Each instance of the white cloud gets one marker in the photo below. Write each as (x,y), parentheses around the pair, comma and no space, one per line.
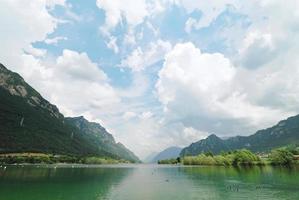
(52,3)
(133,11)
(129,115)
(78,66)
(152,28)
(186,65)
(190,134)
(191,23)
(25,22)
(35,52)
(265,40)
(54,40)
(200,89)
(146,115)
(139,59)
(77,84)
(257,50)
(129,38)
(130,13)
(210,10)
(112,44)
(269,49)
(137,88)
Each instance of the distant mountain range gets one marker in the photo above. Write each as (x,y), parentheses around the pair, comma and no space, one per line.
(284,133)
(29,123)
(150,157)
(171,152)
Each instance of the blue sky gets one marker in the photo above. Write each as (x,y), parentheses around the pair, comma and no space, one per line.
(159,73)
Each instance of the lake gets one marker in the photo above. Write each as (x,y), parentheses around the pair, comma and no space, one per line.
(146,182)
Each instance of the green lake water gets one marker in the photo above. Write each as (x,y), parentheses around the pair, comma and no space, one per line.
(147,182)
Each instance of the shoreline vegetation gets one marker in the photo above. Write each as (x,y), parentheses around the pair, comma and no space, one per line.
(42,158)
(282,156)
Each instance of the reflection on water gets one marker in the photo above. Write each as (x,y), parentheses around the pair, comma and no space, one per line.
(147,182)
(40,183)
(245,183)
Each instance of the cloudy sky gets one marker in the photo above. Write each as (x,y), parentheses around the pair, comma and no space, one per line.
(158,73)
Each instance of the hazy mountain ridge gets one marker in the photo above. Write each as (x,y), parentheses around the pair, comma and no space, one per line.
(170,152)
(284,133)
(29,123)
(150,157)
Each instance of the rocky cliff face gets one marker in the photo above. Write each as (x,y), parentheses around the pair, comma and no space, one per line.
(15,85)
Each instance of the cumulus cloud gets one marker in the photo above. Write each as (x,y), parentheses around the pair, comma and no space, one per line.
(78,66)
(78,85)
(187,66)
(258,49)
(201,89)
(269,47)
(25,23)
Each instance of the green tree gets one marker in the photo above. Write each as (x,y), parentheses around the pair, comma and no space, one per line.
(244,157)
(209,153)
(281,157)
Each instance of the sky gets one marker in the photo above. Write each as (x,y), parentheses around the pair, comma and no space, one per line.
(159,73)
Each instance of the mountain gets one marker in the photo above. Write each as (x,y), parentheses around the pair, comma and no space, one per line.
(150,157)
(171,152)
(101,138)
(212,143)
(29,123)
(284,133)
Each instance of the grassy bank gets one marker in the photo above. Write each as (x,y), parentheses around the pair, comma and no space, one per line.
(39,158)
(282,156)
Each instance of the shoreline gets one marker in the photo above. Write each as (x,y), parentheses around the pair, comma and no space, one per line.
(28,158)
